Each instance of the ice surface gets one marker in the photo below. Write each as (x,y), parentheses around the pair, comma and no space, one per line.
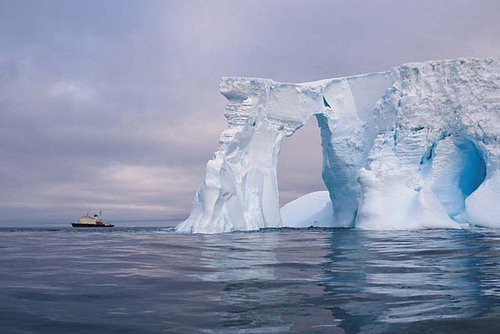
(413,147)
(482,206)
(314,209)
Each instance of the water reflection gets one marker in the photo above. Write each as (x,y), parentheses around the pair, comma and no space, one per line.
(234,257)
(271,288)
(281,281)
(376,281)
(347,281)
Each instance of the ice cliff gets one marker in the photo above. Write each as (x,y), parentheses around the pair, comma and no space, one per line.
(414,147)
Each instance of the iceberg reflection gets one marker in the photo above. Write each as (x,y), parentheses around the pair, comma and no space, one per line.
(377,280)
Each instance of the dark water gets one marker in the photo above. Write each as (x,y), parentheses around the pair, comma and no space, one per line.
(150,280)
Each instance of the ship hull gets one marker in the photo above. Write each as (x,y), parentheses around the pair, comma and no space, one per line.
(91,225)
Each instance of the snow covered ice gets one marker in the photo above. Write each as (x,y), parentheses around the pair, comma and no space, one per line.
(414,147)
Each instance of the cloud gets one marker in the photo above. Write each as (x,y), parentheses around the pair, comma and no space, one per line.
(73,92)
(114,105)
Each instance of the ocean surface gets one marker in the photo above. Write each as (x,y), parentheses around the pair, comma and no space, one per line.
(151,280)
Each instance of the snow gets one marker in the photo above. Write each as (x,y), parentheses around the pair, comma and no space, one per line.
(413,147)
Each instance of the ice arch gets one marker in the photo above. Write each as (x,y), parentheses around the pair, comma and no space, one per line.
(379,132)
(240,190)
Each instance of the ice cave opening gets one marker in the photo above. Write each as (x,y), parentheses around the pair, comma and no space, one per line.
(473,169)
(455,168)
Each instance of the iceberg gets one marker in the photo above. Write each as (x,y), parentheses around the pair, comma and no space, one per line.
(413,147)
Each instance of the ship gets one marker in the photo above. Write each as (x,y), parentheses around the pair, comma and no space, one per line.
(89,221)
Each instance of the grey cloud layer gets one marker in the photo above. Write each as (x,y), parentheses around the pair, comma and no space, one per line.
(114,105)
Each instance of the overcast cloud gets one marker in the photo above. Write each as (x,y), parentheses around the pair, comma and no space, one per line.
(114,105)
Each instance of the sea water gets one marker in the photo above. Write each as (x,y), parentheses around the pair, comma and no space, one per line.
(152,280)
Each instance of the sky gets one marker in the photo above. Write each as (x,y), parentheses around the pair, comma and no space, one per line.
(115,105)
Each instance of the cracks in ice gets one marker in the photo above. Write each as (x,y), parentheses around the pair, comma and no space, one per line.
(326,104)
(428,155)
